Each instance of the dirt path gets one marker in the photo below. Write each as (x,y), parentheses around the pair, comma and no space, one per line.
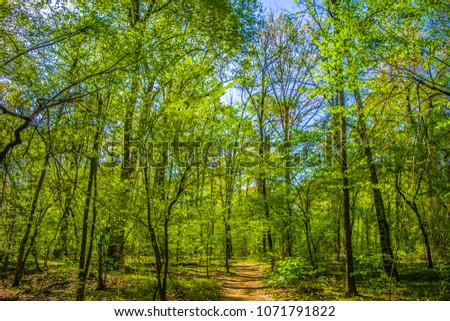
(245,285)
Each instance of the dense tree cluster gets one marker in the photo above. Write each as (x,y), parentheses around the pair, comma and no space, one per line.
(210,129)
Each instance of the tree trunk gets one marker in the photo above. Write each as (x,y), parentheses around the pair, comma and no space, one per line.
(163,293)
(21,257)
(152,232)
(412,204)
(309,241)
(350,286)
(338,233)
(83,264)
(228,199)
(117,238)
(101,266)
(262,183)
(383,226)
(228,244)
(267,214)
(287,178)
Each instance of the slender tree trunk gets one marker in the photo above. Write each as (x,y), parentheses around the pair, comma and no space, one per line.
(166,256)
(288,179)
(262,188)
(152,232)
(93,225)
(117,238)
(101,265)
(267,214)
(83,264)
(262,182)
(338,233)
(228,199)
(168,214)
(228,244)
(383,226)
(412,204)
(21,257)
(309,241)
(63,225)
(31,247)
(350,286)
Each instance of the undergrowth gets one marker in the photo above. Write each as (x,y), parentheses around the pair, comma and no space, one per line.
(296,279)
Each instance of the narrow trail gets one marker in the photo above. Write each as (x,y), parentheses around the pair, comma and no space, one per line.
(245,285)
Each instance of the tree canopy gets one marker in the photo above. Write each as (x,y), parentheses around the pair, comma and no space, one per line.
(152,135)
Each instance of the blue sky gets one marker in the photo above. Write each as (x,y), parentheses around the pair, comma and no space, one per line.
(279,4)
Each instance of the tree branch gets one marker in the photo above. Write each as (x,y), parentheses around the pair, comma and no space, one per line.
(14,114)
(421,81)
(47,43)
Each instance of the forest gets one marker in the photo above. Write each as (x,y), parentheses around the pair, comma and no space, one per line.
(217,150)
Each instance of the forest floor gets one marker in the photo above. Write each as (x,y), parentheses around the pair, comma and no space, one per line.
(244,285)
(326,282)
(248,280)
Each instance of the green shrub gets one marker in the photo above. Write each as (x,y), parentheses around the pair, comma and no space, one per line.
(291,270)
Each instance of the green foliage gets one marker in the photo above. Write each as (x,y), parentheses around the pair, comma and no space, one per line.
(370,265)
(191,288)
(211,130)
(291,271)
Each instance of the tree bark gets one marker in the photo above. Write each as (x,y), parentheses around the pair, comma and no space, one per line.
(21,257)
(350,285)
(117,237)
(412,204)
(383,226)
(152,232)
(101,266)
(83,264)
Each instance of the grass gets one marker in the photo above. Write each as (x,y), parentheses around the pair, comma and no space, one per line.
(327,282)
(137,282)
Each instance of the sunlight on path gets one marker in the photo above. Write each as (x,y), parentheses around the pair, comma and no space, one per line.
(245,285)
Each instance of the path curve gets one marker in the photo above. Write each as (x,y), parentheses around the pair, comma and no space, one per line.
(245,285)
